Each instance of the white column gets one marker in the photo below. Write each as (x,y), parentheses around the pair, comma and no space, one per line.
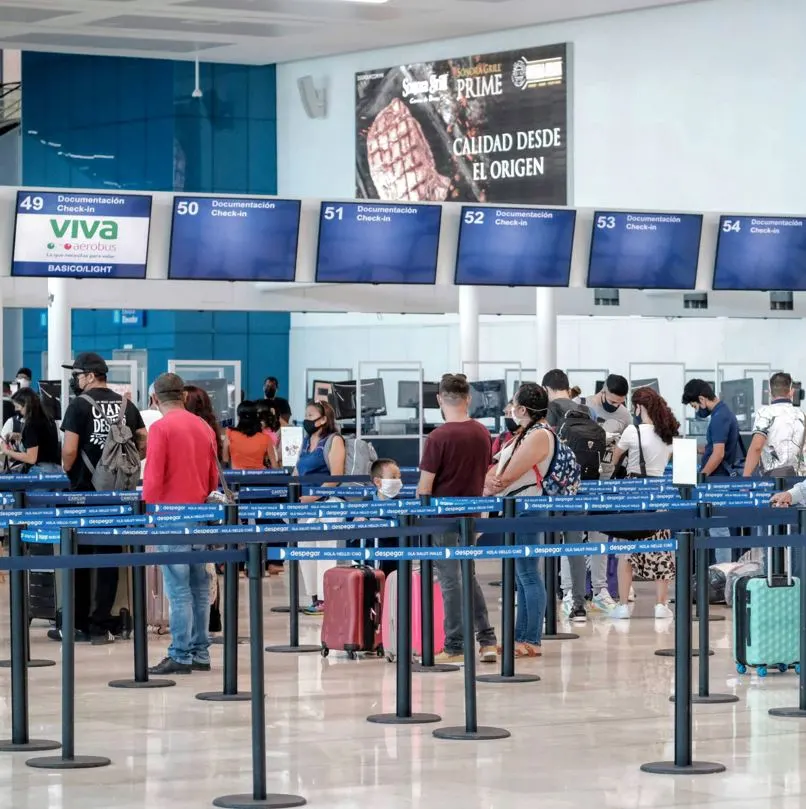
(546,331)
(59,328)
(469,331)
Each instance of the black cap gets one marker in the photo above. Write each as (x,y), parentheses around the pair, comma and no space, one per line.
(89,363)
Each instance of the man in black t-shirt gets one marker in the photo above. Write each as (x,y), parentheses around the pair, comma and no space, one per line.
(85,429)
(274,402)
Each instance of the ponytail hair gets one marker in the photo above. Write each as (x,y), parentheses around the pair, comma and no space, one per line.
(535,400)
(666,425)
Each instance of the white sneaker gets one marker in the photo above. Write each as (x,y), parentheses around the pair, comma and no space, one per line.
(604,601)
(631,597)
(620,611)
(568,603)
(663,611)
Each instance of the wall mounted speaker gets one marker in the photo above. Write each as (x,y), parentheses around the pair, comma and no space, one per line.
(314,99)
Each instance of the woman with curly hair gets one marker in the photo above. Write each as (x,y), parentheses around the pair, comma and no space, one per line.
(197,401)
(647,443)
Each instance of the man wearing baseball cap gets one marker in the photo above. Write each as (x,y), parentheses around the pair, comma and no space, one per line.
(86,426)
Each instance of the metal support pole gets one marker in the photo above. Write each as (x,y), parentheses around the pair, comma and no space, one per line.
(68,760)
(683,720)
(507,674)
(20,740)
(140,626)
(800,711)
(403,712)
(259,799)
(551,632)
(426,664)
(293,646)
(229,692)
(471,730)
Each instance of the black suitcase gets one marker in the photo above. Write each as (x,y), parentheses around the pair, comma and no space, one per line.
(42,601)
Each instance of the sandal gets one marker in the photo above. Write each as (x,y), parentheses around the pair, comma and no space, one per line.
(527,650)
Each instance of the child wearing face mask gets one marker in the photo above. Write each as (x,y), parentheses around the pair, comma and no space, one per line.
(388,482)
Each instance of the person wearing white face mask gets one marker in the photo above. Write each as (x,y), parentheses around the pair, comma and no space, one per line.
(24,378)
(386,478)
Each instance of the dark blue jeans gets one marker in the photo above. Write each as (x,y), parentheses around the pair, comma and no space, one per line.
(531,589)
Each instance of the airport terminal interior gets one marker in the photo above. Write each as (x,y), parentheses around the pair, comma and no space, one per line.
(389,219)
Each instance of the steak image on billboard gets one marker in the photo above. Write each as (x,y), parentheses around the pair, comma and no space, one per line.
(488,128)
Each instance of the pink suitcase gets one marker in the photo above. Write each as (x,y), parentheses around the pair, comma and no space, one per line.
(157,613)
(389,620)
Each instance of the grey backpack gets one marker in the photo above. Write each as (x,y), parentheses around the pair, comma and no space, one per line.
(359,454)
(119,466)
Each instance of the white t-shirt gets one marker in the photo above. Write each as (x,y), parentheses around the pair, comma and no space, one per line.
(782,424)
(150,416)
(656,453)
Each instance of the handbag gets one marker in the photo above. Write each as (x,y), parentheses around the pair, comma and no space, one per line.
(634,535)
(225,497)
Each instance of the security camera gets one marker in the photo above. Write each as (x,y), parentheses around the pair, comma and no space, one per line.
(197,93)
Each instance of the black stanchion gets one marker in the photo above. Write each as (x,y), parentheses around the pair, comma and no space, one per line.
(800,711)
(702,562)
(426,664)
(703,695)
(140,621)
(259,799)
(68,760)
(471,729)
(229,692)
(403,714)
(293,646)
(508,674)
(683,720)
(18,611)
(551,632)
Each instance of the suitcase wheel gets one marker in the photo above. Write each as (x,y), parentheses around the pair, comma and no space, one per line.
(761,671)
(797,669)
(379,651)
(325,651)
(741,668)
(390,656)
(783,668)
(352,655)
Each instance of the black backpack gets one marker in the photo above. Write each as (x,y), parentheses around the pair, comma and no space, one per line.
(586,439)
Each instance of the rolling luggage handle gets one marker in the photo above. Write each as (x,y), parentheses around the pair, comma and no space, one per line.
(800,711)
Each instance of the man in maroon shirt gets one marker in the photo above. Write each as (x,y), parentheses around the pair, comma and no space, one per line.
(454,464)
(182,468)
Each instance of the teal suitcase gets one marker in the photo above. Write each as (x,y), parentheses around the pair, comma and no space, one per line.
(766,622)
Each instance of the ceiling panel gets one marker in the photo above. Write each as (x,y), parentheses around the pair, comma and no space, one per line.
(141,22)
(80,42)
(27,14)
(258,31)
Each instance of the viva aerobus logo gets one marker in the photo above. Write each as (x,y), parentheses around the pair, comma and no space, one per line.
(105,230)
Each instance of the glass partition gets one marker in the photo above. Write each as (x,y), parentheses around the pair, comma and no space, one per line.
(671,379)
(586,379)
(220,378)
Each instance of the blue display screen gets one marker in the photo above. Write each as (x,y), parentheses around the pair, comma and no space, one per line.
(644,250)
(81,235)
(378,243)
(761,252)
(517,247)
(234,239)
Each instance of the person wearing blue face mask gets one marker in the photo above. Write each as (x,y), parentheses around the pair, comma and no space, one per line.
(723,453)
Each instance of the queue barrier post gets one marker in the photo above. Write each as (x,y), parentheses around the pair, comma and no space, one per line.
(703,562)
(427,664)
(683,763)
(140,627)
(32,663)
(68,760)
(18,609)
(800,711)
(687,493)
(293,646)
(551,571)
(703,695)
(403,714)
(508,674)
(260,798)
(231,603)
(229,692)
(471,730)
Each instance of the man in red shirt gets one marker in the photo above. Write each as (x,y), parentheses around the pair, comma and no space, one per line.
(182,468)
(454,464)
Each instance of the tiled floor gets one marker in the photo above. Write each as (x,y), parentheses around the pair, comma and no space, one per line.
(578,736)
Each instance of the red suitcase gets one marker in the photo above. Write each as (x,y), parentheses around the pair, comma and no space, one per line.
(353,608)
